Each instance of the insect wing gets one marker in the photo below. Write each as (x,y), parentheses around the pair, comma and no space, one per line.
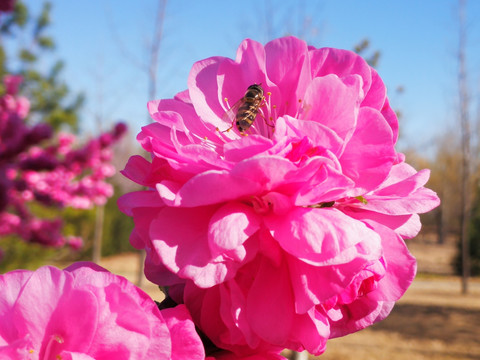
(230,115)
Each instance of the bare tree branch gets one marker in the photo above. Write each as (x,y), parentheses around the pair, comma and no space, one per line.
(126,53)
(465,137)
(155,49)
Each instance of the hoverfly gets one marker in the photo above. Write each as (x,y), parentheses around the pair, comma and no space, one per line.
(244,111)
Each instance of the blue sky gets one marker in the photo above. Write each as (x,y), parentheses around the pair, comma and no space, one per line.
(105,42)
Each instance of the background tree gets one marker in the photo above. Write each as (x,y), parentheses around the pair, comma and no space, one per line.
(32,104)
(24,41)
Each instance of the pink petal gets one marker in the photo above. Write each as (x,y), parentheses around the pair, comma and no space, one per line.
(369,154)
(246,147)
(143,207)
(266,171)
(231,226)
(212,187)
(272,320)
(158,273)
(192,260)
(187,120)
(407,226)
(67,317)
(333,103)
(401,266)
(326,185)
(276,322)
(359,315)
(136,169)
(204,96)
(68,355)
(391,118)
(406,186)
(420,201)
(139,199)
(318,134)
(186,343)
(32,311)
(376,97)
(340,62)
(319,283)
(234,77)
(11,289)
(323,236)
(287,66)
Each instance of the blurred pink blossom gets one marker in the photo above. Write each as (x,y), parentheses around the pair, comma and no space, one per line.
(59,173)
(293,234)
(7,5)
(75,242)
(86,312)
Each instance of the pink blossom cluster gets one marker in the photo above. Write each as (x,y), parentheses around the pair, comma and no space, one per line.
(7,5)
(85,312)
(53,174)
(282,225)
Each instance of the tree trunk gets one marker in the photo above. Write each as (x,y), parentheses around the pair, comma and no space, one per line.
(98,235)
(465,133)
(440,226)
(300,355)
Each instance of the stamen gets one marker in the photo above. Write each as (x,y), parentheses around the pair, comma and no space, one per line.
(226,102)
(361,199)
(205,142)
(260,206)
(58,339)
(54,340)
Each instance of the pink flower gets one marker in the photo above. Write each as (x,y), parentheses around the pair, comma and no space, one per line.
(12,82)
(84,312)
(290,235)
(75,242)
(7,5)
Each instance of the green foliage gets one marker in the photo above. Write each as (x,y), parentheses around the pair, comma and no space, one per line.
(50,98)
(18,18)
(117,228)
(46,42)
(362,49)
(27,56)
(18,254)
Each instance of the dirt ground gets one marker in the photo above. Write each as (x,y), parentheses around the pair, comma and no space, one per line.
(432,321)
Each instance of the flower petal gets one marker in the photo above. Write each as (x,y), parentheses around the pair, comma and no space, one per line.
(320,236)
(186,343)
(333,103)
(369,154)
(230,227)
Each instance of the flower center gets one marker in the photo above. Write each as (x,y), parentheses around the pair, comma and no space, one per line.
(272,202)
